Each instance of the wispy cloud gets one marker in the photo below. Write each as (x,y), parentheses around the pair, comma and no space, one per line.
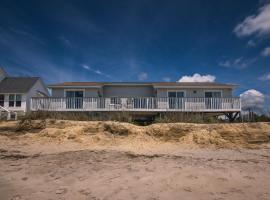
(197,78)
(251,43)
(258,25)
(238,63)
(65,41)
(266,52)
(96,71)
(166,79)
(265,77)
(142,76)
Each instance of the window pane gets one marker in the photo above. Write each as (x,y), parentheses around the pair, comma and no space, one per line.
(180,94)
(2,97)
(18,97)
(2,103)
(171,94)
(208,95)
(217,94)
(11,104)
(79,94)
(11,97)
(70,94)
(18,103)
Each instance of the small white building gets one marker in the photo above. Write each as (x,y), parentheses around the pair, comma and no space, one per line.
(16,92)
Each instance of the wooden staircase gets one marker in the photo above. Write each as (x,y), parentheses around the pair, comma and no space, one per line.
(6,114)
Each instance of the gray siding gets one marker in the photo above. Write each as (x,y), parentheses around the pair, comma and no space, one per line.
(135,91)
(193,92)
(88,92)
(58,92)
(128,91)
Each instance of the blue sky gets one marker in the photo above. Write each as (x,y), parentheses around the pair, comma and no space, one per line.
(140,40)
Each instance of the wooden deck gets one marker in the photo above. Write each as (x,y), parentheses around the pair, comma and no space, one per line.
(137,104)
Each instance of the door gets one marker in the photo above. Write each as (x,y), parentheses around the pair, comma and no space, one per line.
(175,99)
(74,99)
(212,100)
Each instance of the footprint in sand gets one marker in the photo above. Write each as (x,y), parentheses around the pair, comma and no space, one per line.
(16,197)
(249,177)
(61,191)
(187,189)
(222,179)
(192,176)
(85,192)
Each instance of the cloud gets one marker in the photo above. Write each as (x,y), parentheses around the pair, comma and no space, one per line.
(238,63)
(252,99)
(266,52)
(166,79)
(96,71)
(65,41)
(251,43)
(255,24)
(142,76)
(197,78)
(265,77)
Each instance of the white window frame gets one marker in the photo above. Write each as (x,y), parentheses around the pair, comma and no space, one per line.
(214,91)
(176,93)
(15,99)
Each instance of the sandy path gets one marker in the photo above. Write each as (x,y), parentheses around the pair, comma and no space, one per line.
(93,174)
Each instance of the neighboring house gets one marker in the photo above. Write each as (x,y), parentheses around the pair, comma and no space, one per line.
(137,96)
(16,92)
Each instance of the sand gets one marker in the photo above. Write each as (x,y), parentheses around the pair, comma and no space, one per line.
(111,160)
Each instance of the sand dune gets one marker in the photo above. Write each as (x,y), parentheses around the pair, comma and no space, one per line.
(56,159)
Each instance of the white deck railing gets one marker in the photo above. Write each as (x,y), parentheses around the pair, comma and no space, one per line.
(137,104)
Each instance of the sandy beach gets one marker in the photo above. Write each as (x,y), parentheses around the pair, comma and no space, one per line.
(41,162)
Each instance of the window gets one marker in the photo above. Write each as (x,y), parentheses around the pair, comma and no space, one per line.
(11,100)
(175,101)
(213,94)
(176,94)
(74,99)
(2,100)
(18,100)
(15,100)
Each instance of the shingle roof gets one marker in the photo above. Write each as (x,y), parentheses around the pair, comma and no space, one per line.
(17,84)
(154,84)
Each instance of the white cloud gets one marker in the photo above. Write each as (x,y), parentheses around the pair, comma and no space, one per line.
(265,77)
(266,52)
(255,24)
(252,99)
(166,79)
(142,76)
(86,67)
(197,78)
(96,71)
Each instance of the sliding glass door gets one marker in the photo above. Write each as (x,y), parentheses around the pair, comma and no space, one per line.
(212,99)
(175,99)
(74,99)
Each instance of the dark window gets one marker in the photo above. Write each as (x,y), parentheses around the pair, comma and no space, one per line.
(74,99)
(15,100)
(2,100)
(18,100)
(11,100)
(175,99)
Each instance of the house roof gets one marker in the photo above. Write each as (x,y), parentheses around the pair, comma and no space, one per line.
(17,84)
(154,84)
